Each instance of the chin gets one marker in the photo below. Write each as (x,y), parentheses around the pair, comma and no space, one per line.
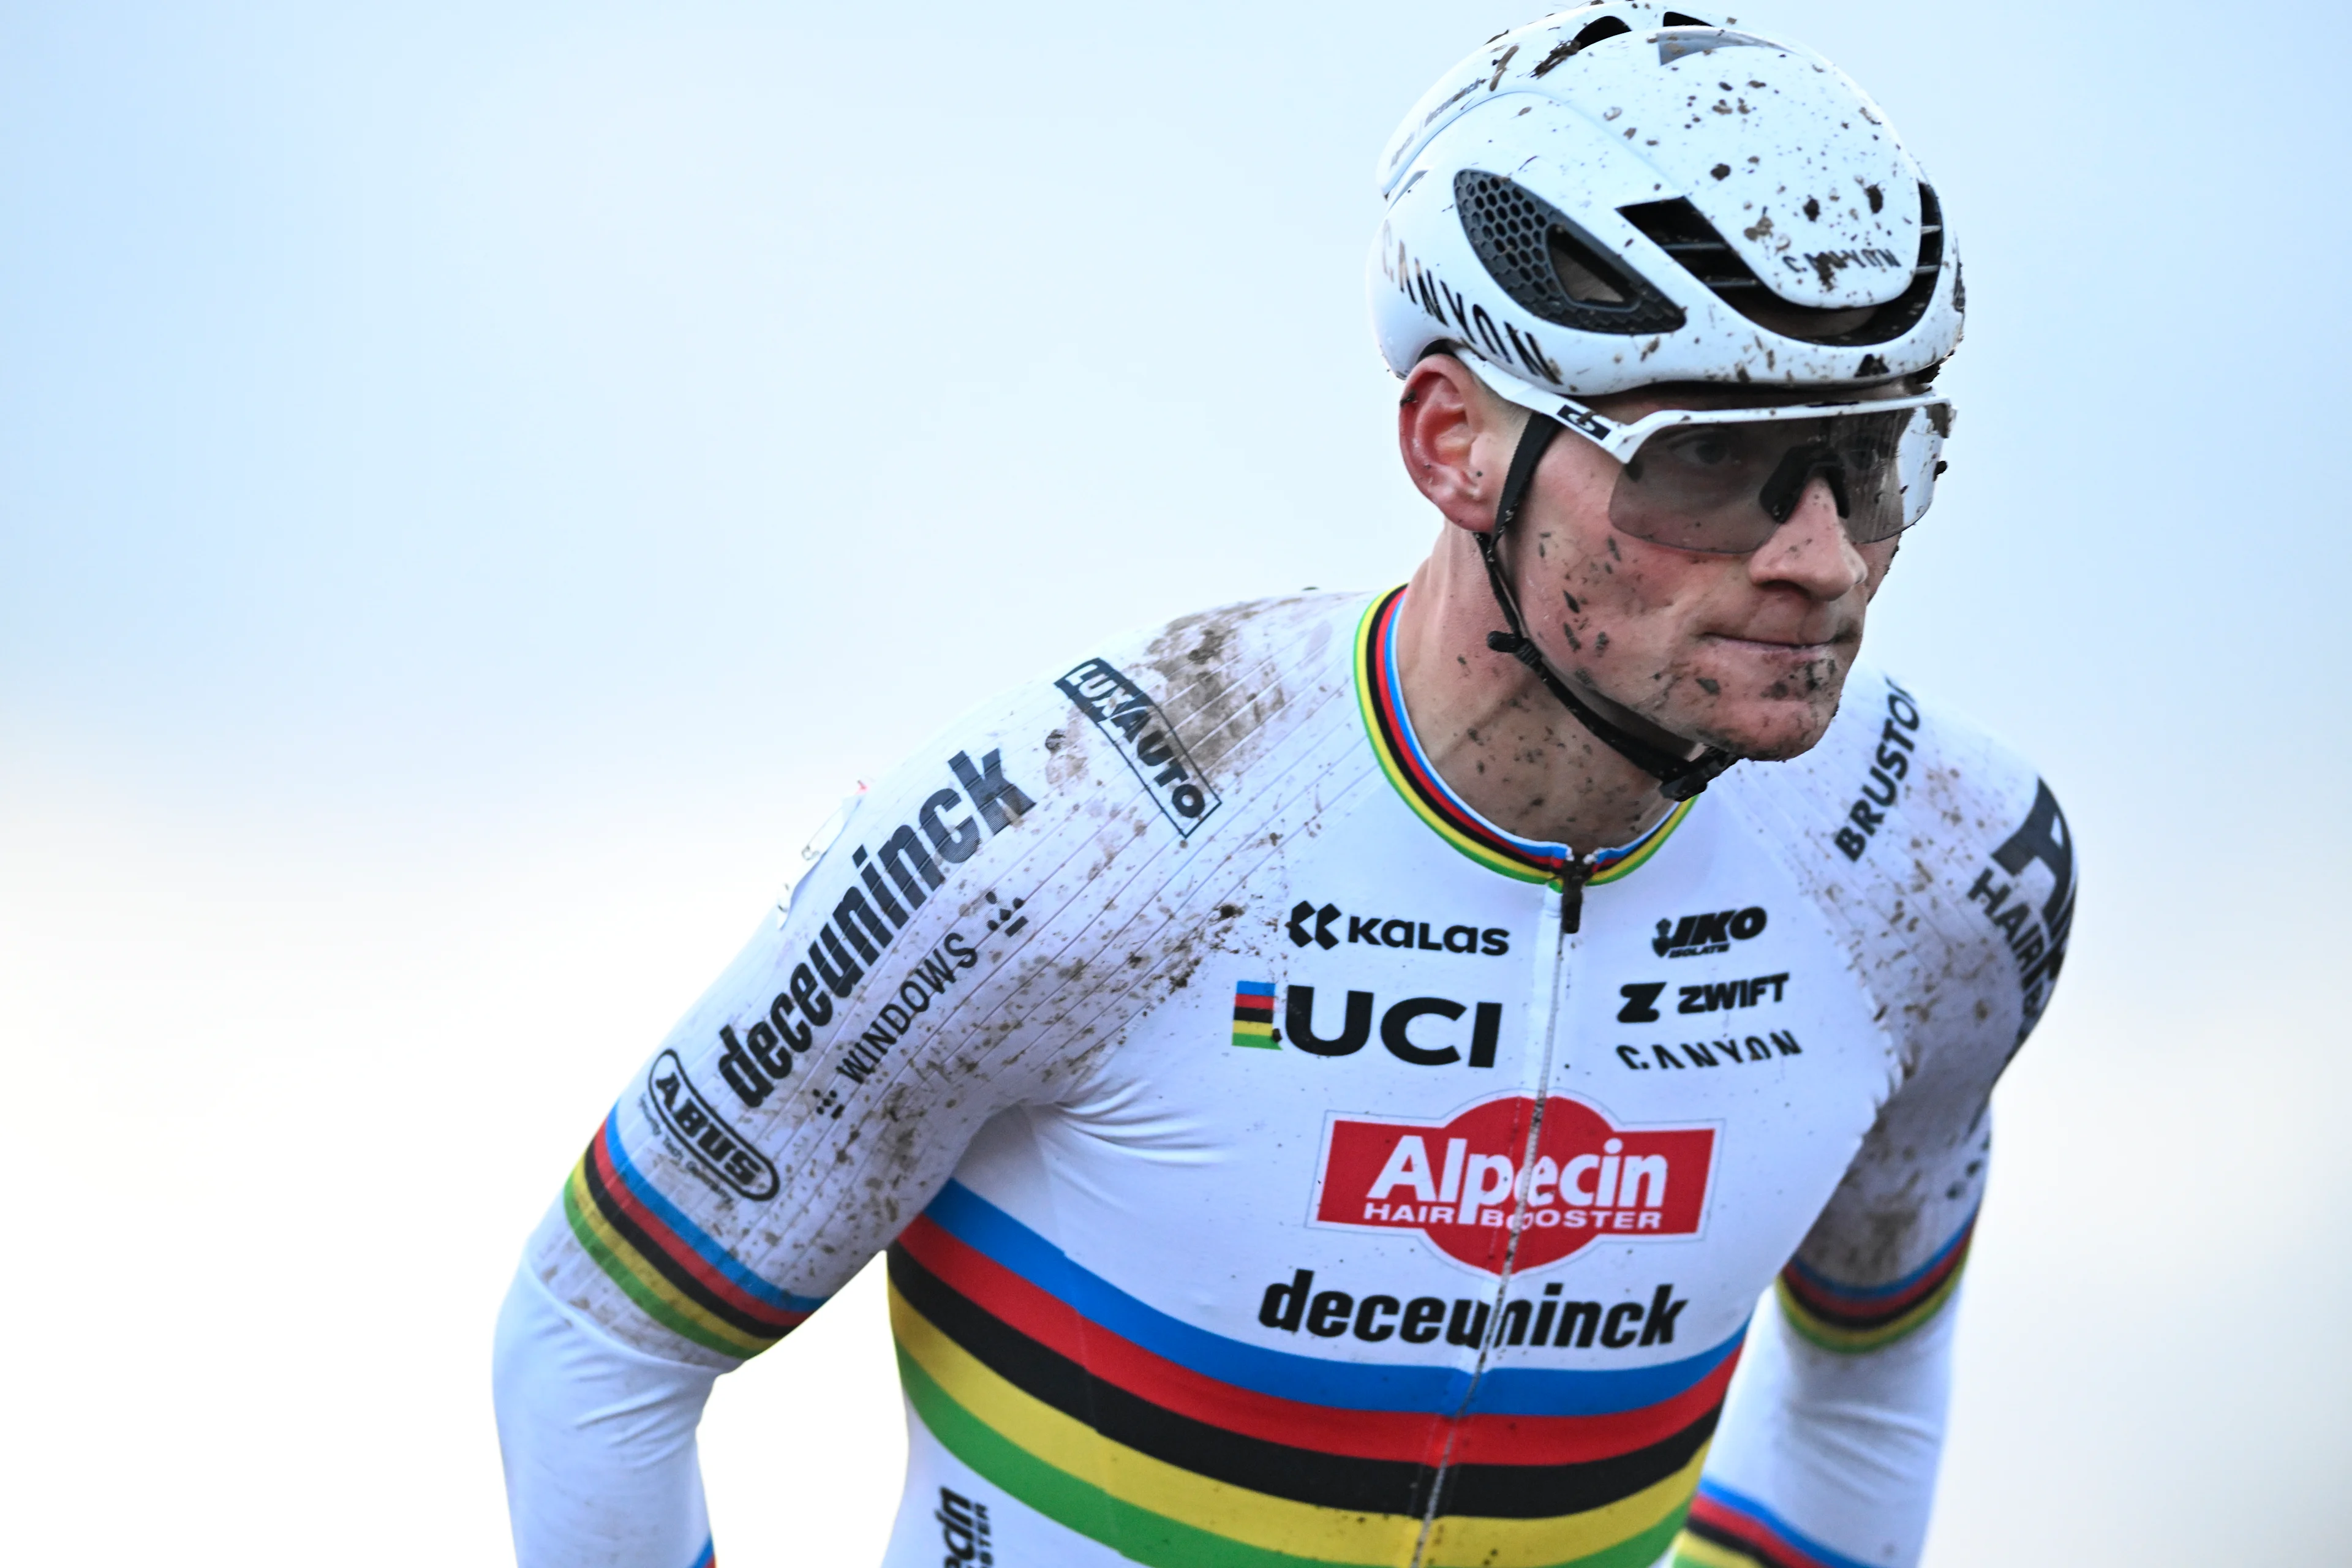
(1771,730)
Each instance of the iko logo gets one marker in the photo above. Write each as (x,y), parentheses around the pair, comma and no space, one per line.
(1694,935)
(964,1526)
(1462,1184)
(717,1147)
(1310,925)
(1146,739)
(1253,1025)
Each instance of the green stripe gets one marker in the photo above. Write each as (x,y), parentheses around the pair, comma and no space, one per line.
(647,1301)
(1138,1533)
(1147,1537)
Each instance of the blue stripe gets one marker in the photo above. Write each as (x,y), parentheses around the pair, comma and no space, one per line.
(693,1235)
(707,1556)
(1438,1390)
(1253,988)
(1878,1292)
(1796,1538)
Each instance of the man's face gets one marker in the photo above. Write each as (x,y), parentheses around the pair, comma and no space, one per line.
(1747,652)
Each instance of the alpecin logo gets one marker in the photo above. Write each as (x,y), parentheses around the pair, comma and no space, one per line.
(698,1128)
(1146,739)
(964,1526)
(1460,1184)
(1694,935)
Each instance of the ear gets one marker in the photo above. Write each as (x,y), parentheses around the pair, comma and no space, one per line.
(1456,439)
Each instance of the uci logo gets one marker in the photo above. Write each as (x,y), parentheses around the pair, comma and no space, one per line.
(1432,1045)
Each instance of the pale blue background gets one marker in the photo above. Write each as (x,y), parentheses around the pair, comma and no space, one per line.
(477,483)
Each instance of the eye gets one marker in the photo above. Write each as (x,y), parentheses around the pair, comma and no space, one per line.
(1700,449)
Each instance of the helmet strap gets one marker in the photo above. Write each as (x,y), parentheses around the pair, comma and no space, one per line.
(1679,778)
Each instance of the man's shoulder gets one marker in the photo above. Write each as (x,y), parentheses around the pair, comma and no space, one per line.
(1224,683)
(1162,725)
(1940,846)
(1899,775)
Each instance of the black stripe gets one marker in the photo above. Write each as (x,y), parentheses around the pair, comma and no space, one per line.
(1762,1556)
(669,1269)
(1301,1475)
(1862,1319)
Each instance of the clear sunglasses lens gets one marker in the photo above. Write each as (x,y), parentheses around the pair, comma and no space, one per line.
(1713,487)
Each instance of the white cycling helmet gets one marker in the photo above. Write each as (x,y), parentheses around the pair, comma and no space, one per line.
(1622,196)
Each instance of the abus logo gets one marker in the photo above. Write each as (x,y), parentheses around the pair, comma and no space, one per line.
(1146,739)
(715,1145)
(1697,934)
(1461,1184)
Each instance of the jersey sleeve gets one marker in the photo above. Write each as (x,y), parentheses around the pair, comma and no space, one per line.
(799,1115)
(1953,870)
(977,936)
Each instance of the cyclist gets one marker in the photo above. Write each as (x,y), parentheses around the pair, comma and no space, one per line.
(1334,1075)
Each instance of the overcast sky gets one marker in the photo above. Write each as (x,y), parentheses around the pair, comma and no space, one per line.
(476,483)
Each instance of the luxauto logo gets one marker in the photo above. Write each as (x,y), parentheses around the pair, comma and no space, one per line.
(1462,1184)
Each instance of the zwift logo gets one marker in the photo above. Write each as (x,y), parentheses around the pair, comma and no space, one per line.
(1462,1183)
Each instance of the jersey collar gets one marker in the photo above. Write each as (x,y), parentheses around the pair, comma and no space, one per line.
(1379,696)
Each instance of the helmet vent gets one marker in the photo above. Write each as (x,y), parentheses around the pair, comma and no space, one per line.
(1549,266)
(1681,231)
(1607,27)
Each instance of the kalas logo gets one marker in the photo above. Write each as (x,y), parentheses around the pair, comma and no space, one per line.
(1462,1185)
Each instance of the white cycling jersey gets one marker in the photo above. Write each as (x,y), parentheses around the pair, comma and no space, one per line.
(1269,1176)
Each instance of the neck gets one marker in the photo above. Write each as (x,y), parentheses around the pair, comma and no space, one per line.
(1498,739)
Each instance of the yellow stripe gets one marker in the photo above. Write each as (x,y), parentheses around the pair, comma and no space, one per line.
(729,1338)
(1460,1541)
(1263,1031)
(1831,1337)
(1690,1549)
(1397,777)
(1271,1523)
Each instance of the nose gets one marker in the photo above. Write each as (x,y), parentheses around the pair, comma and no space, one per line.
(1811,551)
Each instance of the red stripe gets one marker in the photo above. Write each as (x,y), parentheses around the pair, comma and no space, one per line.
(1778,1550)
(1829,1302)
(1412,1436)
(676,1248)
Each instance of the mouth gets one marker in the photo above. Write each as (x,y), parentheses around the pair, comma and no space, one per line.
(1781,648)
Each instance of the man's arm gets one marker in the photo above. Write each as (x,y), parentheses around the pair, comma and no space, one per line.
(808,1107)
(1828,1448)
(598,1441)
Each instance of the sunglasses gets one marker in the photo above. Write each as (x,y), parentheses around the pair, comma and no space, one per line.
(1719,481)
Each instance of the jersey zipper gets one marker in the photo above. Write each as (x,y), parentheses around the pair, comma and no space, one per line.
(1562,909)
